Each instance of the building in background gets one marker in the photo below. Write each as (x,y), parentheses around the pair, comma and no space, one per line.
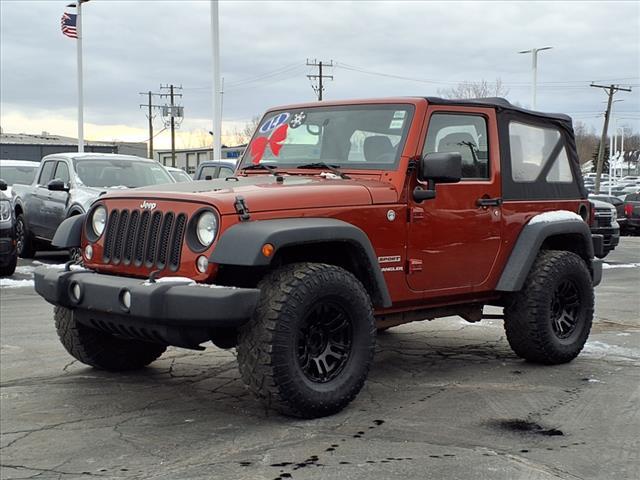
(188,159)
(24,146)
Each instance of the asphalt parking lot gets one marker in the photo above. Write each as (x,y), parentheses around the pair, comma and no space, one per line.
(445,399)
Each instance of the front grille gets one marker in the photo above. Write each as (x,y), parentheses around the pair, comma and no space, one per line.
(143,238)
(603,218)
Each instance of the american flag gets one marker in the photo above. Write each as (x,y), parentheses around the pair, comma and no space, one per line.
(68,25)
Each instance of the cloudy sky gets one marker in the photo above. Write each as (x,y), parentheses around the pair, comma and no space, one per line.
(378,48)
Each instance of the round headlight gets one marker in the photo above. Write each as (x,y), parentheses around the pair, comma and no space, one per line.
(98,221)
(206,228)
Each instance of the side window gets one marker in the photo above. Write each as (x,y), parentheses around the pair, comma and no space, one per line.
(46,174)
(208,172)
(465,134)
(532,148)
(225,172)
(62,172)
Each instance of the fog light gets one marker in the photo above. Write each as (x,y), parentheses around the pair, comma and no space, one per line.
(88,252)
(125,298)
(202,263)
(76,292)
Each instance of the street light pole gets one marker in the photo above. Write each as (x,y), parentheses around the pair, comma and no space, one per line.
(534,69)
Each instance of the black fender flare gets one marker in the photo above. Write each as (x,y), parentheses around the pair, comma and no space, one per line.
(69,232)
(242,243)
(527,247)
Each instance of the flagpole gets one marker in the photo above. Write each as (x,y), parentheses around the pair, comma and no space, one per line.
(80,87)
(217,95)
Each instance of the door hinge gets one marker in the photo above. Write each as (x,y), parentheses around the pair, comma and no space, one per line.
(415,265)
(416,213)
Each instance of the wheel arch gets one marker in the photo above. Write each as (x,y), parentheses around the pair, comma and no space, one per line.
(322,240)
(569,235)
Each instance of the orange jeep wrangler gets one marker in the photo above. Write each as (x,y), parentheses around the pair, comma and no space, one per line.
(342,218)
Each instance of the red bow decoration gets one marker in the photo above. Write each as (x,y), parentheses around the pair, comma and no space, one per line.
(259,145)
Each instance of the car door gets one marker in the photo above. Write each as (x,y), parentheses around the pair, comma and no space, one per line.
(37,206)
(57,202)
(454,238)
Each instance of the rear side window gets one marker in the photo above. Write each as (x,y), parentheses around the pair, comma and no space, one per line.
(465,134)
(46,175)
(633,197)
(532,149)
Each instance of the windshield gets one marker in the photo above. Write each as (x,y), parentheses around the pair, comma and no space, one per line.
(352,137)
(104,173)
(22,174)
(180,176)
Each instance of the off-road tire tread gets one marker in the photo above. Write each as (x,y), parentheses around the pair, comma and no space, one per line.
(101,349)
(257,367)
(526,324)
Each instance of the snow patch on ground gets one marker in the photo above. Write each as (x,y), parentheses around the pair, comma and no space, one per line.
(555,216)
(179,280)
(601,349)
(606,266)
(11,283)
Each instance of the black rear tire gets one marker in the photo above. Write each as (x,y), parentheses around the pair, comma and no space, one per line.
(308,348)
(25,244)
(100,349)
(549,320)
(10,268)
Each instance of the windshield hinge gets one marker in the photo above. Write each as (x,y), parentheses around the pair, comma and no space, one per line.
(241,209)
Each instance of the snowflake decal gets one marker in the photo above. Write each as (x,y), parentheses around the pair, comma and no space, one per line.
(297,120)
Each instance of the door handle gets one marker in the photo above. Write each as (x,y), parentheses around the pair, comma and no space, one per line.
(485,202)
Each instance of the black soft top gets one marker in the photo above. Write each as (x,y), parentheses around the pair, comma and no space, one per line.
(498,103)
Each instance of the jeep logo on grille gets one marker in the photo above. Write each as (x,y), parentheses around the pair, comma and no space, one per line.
(148,205)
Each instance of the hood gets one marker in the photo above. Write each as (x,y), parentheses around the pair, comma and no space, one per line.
(264,192)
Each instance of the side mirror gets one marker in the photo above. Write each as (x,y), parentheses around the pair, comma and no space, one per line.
(437,168)
(3,185)
(57,185)
(208,177)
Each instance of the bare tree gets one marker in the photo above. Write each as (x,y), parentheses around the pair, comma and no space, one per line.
(480,89)
(586,141)
(199,138)
(244,134)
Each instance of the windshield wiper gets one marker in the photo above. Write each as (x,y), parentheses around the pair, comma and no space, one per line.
(261,166)
(332,168)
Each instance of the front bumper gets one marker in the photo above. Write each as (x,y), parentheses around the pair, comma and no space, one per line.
(177,312)
(611,236)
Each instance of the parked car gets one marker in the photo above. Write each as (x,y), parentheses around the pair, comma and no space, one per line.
(370,223)
(8,254)
(179,175)
(17,171)
(604,222)
(215,169)
(618,204)
(66,184)
(632,212)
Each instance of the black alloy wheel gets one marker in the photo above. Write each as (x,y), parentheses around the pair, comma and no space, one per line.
(565,308)
(324,342)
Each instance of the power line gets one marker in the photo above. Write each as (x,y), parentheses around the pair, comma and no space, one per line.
(319,88)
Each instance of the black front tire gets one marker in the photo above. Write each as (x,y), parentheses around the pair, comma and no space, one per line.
(549,320)
(100,349)
(308,348)
(25,244)
(10,268)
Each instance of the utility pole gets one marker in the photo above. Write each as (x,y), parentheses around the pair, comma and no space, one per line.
(610,90)
(173,112)
(150,116)
(320,76)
